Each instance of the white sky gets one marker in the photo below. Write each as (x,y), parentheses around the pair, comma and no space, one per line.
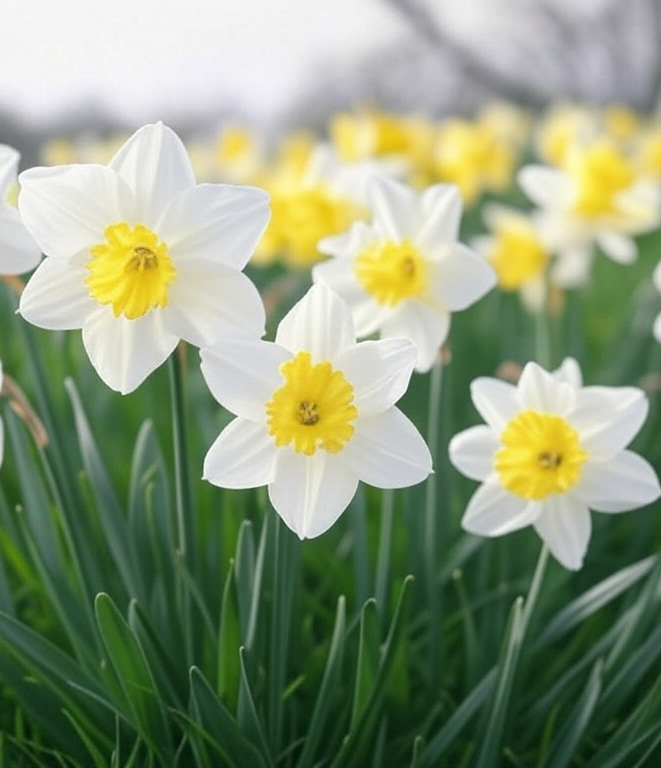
(143,60)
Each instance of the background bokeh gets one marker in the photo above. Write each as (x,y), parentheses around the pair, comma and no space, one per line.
(82,65)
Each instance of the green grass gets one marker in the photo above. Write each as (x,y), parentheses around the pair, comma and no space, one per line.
(393,640)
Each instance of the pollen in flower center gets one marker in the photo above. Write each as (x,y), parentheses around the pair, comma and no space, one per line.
(131,271)
(392,272)
(540,455)
(314,409)
(601,174)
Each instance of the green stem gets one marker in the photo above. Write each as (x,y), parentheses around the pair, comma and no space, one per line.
(431,543)
(543,350)
(183,500)
(533,591)
(383,557)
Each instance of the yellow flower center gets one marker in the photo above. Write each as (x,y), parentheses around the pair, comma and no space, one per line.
(300,218)
(540,455)
(601,173)
(131,271)
(517,257)
(314,409)
(392,272)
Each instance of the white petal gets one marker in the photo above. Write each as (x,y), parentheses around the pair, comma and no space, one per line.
(441,211)
(541,391)
(569,372)
(571,269)
(492,511)
(656,277)
(216,222)
(319,323)
(462,277)
(620,248)
(387,451)
(624,482)
(608,418)
(656,328)
(564,525)
(496,401)
(68,208)
(242,456)
(9,158)
(155,165)
(311,492)
(379,372)
(56,296)
(396,209)
(243,374)
(18,251)
(533,294)
(472,451)
(424,326)
(124,352)
(545,186)
(210,302)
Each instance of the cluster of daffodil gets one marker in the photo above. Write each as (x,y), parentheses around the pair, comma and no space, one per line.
(140,257)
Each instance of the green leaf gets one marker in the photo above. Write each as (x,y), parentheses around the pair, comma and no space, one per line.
(328,690)
(360,736)
(209,711)
(229,641)
(490,741)
(111,514)
(367,667)
(247,716)
(128,659)
(566,743)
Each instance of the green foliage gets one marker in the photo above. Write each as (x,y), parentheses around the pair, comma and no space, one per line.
(394,640)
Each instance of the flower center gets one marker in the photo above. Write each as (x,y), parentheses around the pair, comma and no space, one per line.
(314,409)
(517,257)
(540,455)
(300,218)
(601,173)
(392,272)
(131,271)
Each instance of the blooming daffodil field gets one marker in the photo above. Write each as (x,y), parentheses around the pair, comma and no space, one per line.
(354,461)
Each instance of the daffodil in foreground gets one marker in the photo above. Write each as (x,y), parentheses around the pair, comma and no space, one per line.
(405,272)
(315,414)
(139,256)
(550,451)
(18,251)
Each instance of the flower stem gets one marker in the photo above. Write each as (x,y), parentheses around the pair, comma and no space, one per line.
(383,557)
(183,501)
(430,543)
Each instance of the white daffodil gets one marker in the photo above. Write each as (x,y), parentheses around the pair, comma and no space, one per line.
(596,197)
(18,251)
(550,451)
(516,250)
(404,273)
(139,256)
(315,414)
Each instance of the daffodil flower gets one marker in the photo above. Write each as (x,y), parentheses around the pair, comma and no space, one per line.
(18,251)
(315,414)
(139,256)
(550,451)
(515,249)
(597,196)
(405,272)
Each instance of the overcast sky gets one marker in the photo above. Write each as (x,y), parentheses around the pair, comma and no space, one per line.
(147,59)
